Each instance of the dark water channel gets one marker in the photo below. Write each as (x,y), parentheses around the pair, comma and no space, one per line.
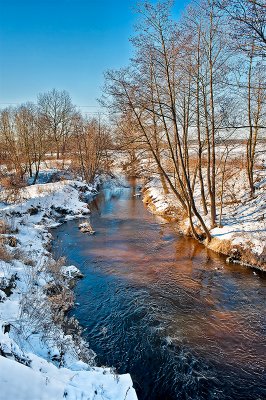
(181,321)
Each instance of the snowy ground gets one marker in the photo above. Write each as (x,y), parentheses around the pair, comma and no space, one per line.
(39,359)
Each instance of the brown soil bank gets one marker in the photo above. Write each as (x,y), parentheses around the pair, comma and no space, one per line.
(235,252)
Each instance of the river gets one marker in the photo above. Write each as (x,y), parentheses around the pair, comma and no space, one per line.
(177,317)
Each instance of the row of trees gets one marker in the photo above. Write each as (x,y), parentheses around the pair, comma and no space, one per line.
(30,133)
(190,87)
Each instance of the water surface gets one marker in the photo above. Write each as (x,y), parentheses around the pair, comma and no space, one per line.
(162,307)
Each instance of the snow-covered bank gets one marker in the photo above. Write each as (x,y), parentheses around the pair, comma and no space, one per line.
(242,236)
(42,355)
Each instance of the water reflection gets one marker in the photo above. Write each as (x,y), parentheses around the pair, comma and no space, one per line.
(184,323)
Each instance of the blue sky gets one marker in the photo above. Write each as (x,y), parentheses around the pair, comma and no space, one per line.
(62,44)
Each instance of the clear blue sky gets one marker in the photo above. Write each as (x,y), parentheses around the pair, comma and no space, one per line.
(63,44)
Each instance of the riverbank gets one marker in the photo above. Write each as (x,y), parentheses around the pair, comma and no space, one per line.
(42,354)
(242,236)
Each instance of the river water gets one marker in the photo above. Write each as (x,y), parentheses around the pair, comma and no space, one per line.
(177,317)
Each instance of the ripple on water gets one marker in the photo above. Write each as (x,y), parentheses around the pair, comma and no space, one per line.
(185,324)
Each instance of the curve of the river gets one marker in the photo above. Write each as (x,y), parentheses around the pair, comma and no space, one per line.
(176,316)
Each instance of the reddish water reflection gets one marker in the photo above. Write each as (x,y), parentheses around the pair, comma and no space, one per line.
(183,322)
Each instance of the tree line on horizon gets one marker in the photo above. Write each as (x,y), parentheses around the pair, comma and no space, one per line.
(31,133)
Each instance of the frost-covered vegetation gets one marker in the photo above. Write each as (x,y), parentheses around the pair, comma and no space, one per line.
(42,354)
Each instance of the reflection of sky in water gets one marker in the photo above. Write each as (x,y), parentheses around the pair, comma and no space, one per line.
(169,308)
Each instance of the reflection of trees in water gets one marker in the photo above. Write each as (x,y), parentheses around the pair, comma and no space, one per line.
(168,306)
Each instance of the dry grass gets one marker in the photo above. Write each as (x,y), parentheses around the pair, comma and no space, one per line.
(54,267)
(4,227)
(11,181)
(46,189)
(61,300)
(4,254)
(220,246)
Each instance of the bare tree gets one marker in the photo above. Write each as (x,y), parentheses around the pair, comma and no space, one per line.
(32,138)
(90,143)
(13,154)
(57,110)
(151,89)
(256,96)
(249,21)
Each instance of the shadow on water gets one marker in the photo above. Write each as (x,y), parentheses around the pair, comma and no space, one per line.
(162,307)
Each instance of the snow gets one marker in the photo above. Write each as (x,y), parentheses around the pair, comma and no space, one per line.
(243,220)
(245,223)
(40,361)
(71,271)
(86,227)
(47,382)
